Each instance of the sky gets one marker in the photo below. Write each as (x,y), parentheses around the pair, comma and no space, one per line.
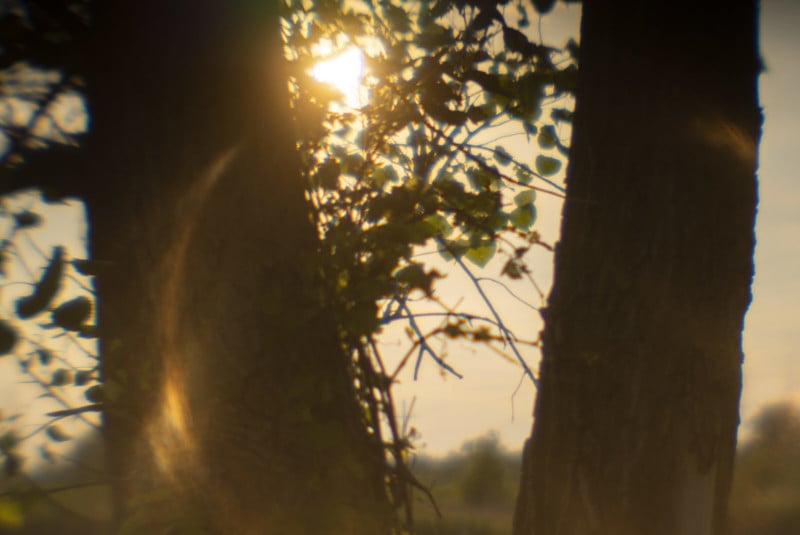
(493,395)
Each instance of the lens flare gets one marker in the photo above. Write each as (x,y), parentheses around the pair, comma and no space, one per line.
(344,72)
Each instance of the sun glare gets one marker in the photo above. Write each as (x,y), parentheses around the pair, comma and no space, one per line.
(344,72)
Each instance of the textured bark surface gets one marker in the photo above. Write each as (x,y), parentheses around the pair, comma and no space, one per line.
(231,408)
(636,416)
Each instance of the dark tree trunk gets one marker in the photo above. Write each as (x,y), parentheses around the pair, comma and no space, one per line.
(227,386)
(636,416)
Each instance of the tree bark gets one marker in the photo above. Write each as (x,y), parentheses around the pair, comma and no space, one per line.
(636,415)
(230,404)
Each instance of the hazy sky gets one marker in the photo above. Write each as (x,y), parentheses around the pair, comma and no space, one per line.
(448,411)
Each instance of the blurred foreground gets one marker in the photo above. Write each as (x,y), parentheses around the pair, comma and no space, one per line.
(475,489)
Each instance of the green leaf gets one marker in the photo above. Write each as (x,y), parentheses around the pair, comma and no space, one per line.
(502,156)
(513,269)
(414,276)
(61,377)
(547,166)
(56,434)
(8,338)
(45,289)
(525,197)
(524,177)
(382,175)
(523,217)
(547,137)
(73,314)
(438,224)
(479,114)
(481,254)
(481,178)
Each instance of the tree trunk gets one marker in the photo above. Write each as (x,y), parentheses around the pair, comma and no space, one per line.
(636,415)
(230,404)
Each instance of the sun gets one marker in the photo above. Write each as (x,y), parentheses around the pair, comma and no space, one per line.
(344,71)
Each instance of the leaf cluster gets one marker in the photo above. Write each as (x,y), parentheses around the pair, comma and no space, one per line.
(49,311)
(417,167)
(408,169)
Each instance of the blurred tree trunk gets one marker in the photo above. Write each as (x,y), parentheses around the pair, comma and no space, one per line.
(230,405)
(636,416)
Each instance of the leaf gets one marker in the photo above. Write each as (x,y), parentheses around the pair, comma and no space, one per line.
(523,217)
(45,289)
(95,394)
(562,114)
(481,254)
(8,338)
(479,114)
(72,314)
(493,83)
(525,197)
(414,276)
(27,219)
(56,434)
(438,224)
(530,128)
(481,178)
(433,36)
(61,377)
(516,41)
(547,166)
(502,156)
(82,377)
(88,267)
(547,137)
(543,6)
(45,356)
(513,269)
(524,177)
(382,175)
(398,19)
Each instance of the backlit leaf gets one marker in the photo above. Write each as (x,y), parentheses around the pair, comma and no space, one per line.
(482,254)
(8,338)
(56,434)
(525,197)
(73,314)
(547,166)
(523,217)
(61,377)
(547,137)
(45,289)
